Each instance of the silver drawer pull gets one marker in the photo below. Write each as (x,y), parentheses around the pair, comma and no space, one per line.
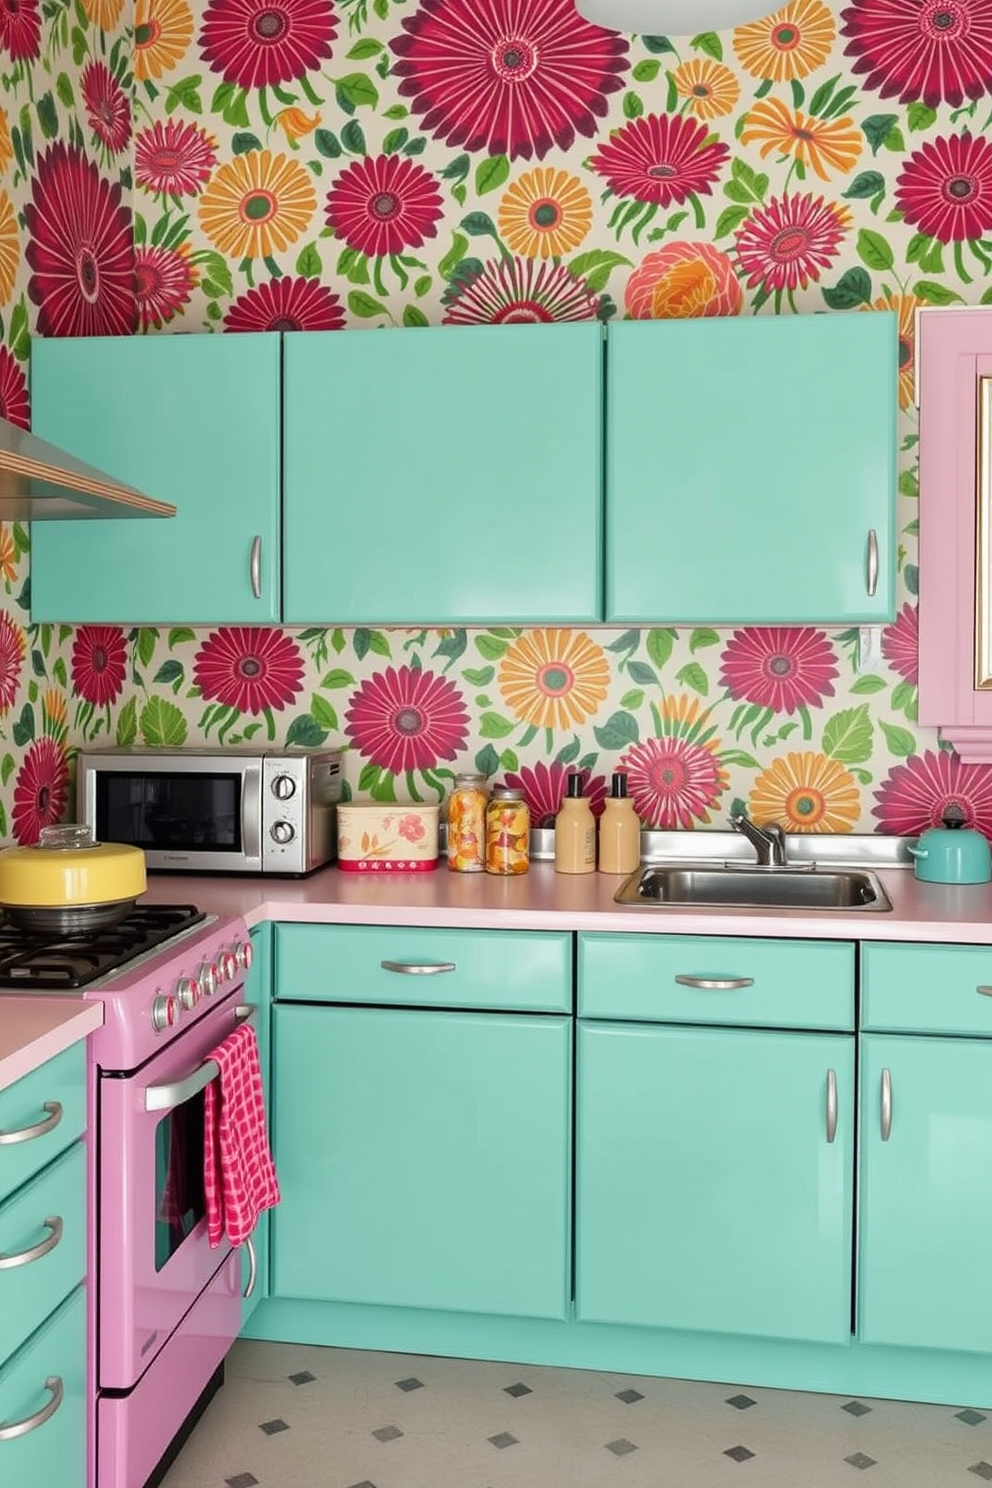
(871,577)
(255,567)
(984,991)
(715,984)
(418,968)
(31,1423)
(831,1105)
(28,1133)
(25,1257)
(886,1105)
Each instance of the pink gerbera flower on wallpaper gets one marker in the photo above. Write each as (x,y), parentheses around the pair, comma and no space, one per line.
(14,404)
(901,644)
(174,158)
(80,248)
(519,291)
(107,106)
(779,667)
(99,663)
(507,77)
(164,280)
(249,668)
(257,43)
(40,791)
(543,788)
(661,158)
(12,647)
(945,188)
(384,204)
(934,50)
(406,718)
(916,794)
(789,241)
(673,782)
(286,305)
(20,30)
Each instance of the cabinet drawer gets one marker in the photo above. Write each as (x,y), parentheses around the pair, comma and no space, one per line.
(53,1451)
(50,1209)
(501,969)
(30,1134)
(761,983)
(927,988)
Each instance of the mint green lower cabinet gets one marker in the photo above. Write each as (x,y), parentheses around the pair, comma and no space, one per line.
(45,1382)
(424,1158)
(710,1196)
(926,1192)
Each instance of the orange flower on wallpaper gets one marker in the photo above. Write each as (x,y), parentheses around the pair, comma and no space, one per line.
(790,43)
(545,213)
(295,124)
(682,281)
(10,248)
(103,13)
(6,148)
(8,556)
(905,307)
(806,792)
(55,715)
(710,88)
(257,204)
(822,144)
(163,29)
(554,679)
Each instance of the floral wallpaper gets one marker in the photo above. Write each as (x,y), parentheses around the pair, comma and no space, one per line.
(218,166)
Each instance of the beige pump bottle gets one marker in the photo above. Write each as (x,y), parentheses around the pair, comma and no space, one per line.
(619,830)
(575,831)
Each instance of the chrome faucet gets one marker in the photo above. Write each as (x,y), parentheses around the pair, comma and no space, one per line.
(768,842)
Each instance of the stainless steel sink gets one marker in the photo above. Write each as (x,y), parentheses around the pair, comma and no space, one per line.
(753,888)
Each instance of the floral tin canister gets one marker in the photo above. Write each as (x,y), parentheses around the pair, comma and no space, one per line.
(398,837)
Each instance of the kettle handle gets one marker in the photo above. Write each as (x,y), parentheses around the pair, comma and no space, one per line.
(918,852)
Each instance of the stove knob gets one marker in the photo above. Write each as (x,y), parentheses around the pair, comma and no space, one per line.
(282,832)
(284,787)
(209,976)
(243,954)
(188,993)
(228,966)
(164,1013)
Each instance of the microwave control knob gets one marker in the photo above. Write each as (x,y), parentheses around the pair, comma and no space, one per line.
(283,832)
(284,787)
(164,1013)
(208,977)
(188,993)
(244,953)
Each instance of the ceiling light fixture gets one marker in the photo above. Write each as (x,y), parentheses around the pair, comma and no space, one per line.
(671,17)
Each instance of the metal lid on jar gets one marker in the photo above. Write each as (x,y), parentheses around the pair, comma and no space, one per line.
(469,779)
(506,793)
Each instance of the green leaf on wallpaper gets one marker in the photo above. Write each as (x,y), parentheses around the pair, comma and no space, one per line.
(490,647)
(646,71)
(63,88)
(26,137)
(870,682)
(658,44)
(479,676)
(394,141)
(569,752)
(147,639)
(127,724)
(632,699)
(864,185)
(397,111)
(357,89)
(633,106)
(23,729)
(495,726)
(458,169)
(22,545)
(327,143)
(629,640)
(641,673)
(895,141)
(710,43)
(453,256)
(701,637)
(162,724)
(740,758)
(863,777)
(920,116)
(936,294)
(745,185)
(48,115)
(478,225)
(847,736)
(693,676)
(186,94)
(660,643)
(60,671)
(217,269)
(459,192)
(170,674)
(596,267)
(413,316)
(80,47)
(730,219)
(353,265)
(911,578)
(353,138)
(379,643)
(491,173)
(452,646)
(932,261)
(487,761)
(852,288)
(874,250)
(877,129)
(909,484)
(214,311)
(244,141)
(338,678)
(308,264)
(421,285)
(509,760)
(364,49)
(900,741)
(917,247)
(38,663)
(305,731)
(903,696)
(33,693)
(7,768)
(364,306)
(619,730)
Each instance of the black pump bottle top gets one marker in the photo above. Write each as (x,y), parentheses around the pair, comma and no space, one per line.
(618,785)
(573,787)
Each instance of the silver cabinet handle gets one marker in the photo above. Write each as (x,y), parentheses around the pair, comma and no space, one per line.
(177,1092)
(886,1105)
(252,1267)
(31,1423)
(412,968)
(715,984)
(871,576)
(28,1133)
(831,1105)
(985,992)
(25,1257)
(255,567)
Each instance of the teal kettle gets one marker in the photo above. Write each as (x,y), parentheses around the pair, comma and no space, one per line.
(953,853)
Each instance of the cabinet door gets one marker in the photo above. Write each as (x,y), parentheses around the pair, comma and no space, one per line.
(748,460)
(710,1196)
(926,1193)
(424,1158)
(189,419)
(452,474)
(255,1260)
(43,1387)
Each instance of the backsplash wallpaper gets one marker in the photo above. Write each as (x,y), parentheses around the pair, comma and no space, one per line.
(229,165)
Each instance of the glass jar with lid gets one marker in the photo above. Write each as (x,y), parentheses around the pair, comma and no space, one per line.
(467,824)
(507,832)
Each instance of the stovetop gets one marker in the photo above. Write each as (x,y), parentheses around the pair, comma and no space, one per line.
(48,962)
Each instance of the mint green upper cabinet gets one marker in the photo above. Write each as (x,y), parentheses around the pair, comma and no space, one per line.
(713,1186)
(451,474)
(926,1192)
(748,461)
(189,419)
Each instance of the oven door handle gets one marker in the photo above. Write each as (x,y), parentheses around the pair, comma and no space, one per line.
(177,1092)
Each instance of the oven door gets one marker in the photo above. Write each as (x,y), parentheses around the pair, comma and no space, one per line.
(154,1258)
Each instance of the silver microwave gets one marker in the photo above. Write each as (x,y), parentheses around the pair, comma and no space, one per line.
(215,810)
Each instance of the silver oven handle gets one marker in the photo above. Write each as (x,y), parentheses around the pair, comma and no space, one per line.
(251,815)
(177,1092)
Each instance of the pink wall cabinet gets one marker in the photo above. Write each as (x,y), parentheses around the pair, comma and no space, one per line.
(954,389)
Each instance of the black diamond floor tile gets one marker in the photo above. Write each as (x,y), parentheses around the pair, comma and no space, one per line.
(741,1402)
(856,1408)
(409,1384)
(970,1417)
(517,1391)
(629,1397)
(272,1428)
(982,1470)
(387,1433)
(621,1447)
(739,1454)
(303,1378)
(860,1460)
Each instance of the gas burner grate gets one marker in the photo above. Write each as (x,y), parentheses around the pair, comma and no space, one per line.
(49,962)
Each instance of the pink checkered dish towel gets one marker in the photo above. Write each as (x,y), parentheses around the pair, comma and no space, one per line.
(239,1176)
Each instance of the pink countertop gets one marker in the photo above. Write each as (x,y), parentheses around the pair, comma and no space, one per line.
(35,1029)
(545,900)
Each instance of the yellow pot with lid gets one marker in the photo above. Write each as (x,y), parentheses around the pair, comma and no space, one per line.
(68,882)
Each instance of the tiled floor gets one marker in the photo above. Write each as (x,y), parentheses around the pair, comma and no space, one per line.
(304,1417)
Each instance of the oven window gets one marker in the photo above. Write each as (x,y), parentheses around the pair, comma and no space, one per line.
(179,1195)
(177,811)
